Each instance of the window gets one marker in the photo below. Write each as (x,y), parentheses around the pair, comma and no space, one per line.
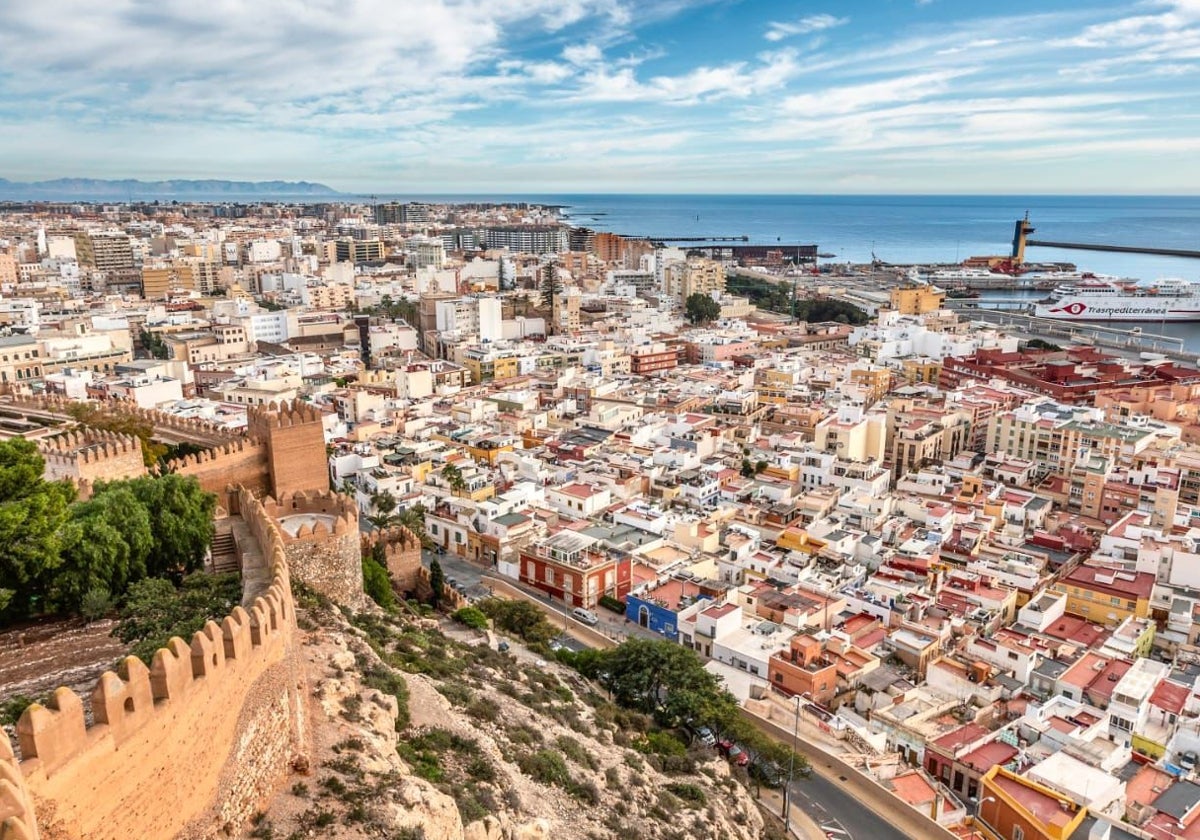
(1018,833)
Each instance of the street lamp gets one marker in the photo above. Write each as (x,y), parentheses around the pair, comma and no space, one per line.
(979,807)
(787,791)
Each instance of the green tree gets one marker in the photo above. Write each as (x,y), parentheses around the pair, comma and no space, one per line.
(747,468)
(667,681)
(413,518)
(520,617)
(701,308)
(377,584)
(183,522)
(32,514)
(94,556)
(383,510)
(87,414)
(437,582)
(155,610)
(472,617)
(551,288)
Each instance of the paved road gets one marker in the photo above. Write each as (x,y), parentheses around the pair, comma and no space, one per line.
(835,809)
(469,575)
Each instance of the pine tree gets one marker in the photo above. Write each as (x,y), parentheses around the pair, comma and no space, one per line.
(551,287)
(437,581)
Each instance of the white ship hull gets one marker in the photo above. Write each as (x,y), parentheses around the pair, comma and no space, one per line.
(1114,308)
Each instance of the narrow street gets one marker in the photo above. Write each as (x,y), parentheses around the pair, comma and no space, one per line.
(470,576)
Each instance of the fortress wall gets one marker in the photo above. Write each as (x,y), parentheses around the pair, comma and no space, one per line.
(237,463)
(294,435)
(17,821)
(188,425)
(402,555)
(90,455)
(189,746)
(326,558)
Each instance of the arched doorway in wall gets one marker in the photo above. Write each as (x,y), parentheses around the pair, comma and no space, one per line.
(644,616)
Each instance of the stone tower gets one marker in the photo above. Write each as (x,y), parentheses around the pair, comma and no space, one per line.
(295,444)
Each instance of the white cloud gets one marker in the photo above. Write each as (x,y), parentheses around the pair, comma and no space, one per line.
(777,31)
(736,80)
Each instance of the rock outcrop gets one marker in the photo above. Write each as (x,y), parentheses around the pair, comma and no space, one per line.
(419,735)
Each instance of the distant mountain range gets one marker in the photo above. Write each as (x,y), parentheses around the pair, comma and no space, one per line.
(90,189)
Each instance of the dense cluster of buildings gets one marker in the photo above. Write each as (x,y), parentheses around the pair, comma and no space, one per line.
(980,559)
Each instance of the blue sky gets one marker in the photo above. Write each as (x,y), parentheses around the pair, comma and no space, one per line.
(536,96)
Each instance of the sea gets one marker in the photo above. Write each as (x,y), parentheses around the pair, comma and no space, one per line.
(905,229)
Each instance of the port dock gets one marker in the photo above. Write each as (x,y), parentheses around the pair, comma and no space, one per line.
(1120,249)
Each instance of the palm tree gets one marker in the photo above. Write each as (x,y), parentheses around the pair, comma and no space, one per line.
(454,478)
(383,507)
(413,518)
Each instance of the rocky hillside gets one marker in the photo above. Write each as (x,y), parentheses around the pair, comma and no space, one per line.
(423,731)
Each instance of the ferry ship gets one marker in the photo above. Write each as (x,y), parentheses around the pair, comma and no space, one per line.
(1109,299)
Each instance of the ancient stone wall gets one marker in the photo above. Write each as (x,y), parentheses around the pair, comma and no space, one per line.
(190,746)
(237,463)
(187,426)
(324,550)
(17,821)
(402,554)
(281,451)
(84,456)
(295,441)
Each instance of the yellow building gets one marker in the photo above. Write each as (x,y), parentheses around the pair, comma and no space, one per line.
(795,538)
(157,281)
(1106,596)
(917,300)
(876,382)
(922,371)
(486,365)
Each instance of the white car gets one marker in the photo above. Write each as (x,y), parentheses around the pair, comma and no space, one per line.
(586,616)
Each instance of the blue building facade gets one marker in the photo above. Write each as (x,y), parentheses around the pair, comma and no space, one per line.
(653,616)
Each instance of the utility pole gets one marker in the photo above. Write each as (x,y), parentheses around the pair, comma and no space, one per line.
(787,792)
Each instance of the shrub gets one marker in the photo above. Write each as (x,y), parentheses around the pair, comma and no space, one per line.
(377,584)
(12,708)
(481,769)
(660,743)
(573,750)
(545,766)
(457,693)
(472,617)
(691,794)
(482,709)
(611,603)
(96,604)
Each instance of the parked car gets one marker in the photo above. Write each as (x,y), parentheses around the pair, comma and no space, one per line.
(586,616)
(705,736)
(768,772)
(733,752)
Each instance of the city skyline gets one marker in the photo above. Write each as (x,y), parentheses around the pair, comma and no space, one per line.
(603,95)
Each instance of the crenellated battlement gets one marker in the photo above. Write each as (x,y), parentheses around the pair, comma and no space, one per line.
(152,723)
(285,415)
(338,508)
(17,820)
(401,554)
(192,426)
(85,455)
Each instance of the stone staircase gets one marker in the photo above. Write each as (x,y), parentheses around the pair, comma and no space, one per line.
(224,553)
